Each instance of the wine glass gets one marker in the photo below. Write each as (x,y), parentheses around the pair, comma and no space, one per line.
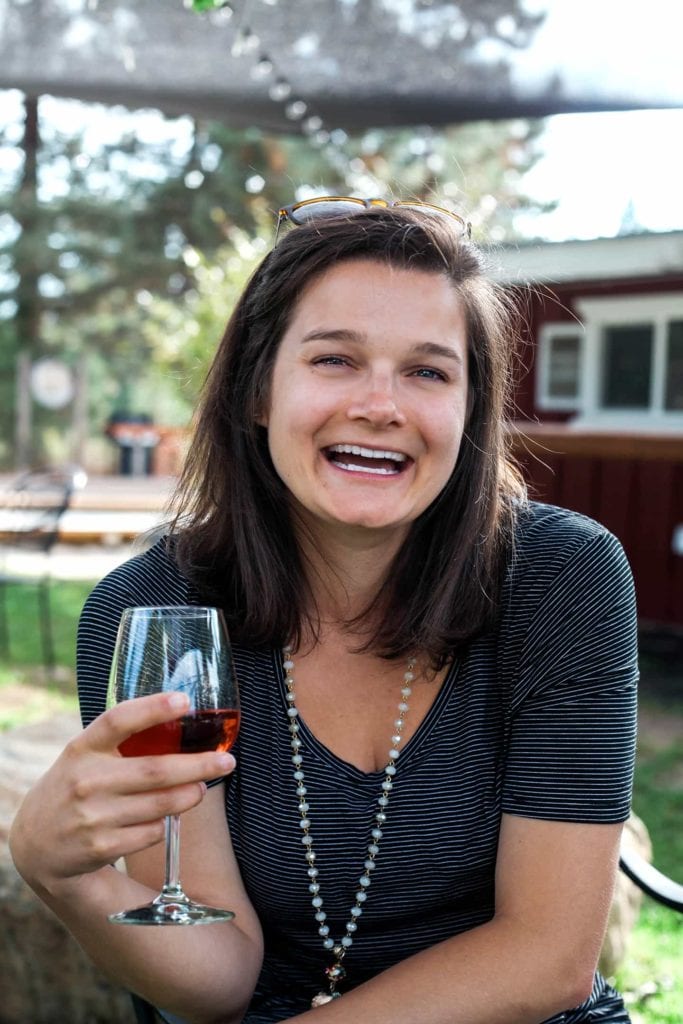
(186,649)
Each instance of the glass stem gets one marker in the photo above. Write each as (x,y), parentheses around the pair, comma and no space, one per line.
(172,888)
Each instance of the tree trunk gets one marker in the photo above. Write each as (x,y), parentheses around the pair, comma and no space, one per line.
(28,316)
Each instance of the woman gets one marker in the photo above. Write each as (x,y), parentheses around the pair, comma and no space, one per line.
(437,676)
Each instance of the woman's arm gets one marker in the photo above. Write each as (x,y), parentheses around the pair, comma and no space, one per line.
(94,806)
(535,958)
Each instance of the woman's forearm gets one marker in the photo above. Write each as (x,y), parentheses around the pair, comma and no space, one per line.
(499,972)
(202,974)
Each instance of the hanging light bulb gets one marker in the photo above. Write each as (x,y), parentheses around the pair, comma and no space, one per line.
(222,15)
(280,90)
(295,110)
(338,137)
(312,124)
(262,68)
(246,42)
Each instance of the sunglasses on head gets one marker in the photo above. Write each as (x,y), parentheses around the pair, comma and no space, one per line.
(309,210)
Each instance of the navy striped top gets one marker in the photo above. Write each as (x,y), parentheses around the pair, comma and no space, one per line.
(535,719)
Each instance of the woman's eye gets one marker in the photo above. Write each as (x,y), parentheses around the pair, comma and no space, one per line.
(330,361)
(429,373)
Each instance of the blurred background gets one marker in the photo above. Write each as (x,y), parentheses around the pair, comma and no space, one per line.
(145,148)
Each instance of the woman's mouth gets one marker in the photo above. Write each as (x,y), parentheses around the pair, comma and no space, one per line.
(359,459)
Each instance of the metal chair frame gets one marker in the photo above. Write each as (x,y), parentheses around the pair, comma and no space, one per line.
(30,514)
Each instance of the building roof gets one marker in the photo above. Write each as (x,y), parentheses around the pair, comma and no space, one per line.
(625,256)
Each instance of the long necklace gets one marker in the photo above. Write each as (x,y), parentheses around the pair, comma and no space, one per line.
(336,972)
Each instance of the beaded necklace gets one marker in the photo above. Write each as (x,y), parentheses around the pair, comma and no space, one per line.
(336,972)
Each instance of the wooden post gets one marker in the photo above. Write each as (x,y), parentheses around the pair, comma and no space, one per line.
(79,411)
(22,454)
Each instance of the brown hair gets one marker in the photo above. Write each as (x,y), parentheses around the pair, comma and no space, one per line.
(233,529)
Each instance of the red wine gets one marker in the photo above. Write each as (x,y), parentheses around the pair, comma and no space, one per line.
(192,734)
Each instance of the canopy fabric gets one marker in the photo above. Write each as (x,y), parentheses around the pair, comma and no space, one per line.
(354,63)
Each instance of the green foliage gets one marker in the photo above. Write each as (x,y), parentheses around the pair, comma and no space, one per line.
(182,336)
(104,212)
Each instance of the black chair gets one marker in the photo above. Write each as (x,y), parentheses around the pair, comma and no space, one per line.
(30,513)
(652,882)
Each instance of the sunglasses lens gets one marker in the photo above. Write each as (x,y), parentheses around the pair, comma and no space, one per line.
(305,212)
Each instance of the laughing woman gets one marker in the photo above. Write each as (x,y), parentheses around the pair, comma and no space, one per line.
(438,676)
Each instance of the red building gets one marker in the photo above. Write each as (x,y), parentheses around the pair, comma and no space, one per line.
(599,422)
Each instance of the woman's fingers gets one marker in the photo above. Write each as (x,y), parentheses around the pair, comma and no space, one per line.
(107,829)
(138,774)
(110,729)
(94,805)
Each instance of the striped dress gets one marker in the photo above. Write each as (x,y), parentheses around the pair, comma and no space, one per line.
(535,719)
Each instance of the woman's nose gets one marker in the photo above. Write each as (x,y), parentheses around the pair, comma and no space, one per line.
(376,401)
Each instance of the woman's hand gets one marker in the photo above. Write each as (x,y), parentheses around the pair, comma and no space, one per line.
(94,806)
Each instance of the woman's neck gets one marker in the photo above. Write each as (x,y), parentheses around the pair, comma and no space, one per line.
(345,569)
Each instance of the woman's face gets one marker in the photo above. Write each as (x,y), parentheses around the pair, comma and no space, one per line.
(368,396)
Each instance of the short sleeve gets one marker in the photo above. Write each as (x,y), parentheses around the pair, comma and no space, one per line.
(148,579)
(573,702)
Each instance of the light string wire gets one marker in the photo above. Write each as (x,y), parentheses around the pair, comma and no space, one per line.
(247,43)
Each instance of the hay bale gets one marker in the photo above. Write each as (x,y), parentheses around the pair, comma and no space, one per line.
(48,979)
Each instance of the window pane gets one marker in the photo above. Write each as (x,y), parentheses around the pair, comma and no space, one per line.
(563,366)
(674,367)
(627,367)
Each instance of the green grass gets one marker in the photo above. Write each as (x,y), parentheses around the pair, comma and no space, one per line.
(27,691)
(66,600)
(651,976)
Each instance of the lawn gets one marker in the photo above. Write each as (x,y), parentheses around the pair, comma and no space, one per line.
(651,977)
(27,691)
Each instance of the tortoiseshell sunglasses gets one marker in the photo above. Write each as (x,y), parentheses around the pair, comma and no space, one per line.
(338,206)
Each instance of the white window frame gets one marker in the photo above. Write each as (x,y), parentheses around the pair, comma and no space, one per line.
(543,398)
(600,313)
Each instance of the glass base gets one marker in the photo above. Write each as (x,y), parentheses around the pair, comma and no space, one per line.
(172,912)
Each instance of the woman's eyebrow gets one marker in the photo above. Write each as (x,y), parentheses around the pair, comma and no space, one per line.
(432,348)
(422,348)
(334,334)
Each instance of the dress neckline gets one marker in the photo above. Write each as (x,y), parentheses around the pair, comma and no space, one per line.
(408,752)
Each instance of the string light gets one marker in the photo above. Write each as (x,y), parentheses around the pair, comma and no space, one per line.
(248,44)
(295,110)
(279,90)
(262,68)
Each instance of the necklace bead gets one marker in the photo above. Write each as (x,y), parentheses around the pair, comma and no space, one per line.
(336,972)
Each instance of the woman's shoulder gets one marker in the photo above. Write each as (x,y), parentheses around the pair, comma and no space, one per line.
(149,578)
(552,544)
(550,532)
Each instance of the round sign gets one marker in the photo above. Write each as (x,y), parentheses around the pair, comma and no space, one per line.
(52,383)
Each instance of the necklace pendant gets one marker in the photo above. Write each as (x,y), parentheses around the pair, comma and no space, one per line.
(324,997)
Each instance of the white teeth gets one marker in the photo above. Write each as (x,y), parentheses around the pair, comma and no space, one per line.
(367,453)
(376,470)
